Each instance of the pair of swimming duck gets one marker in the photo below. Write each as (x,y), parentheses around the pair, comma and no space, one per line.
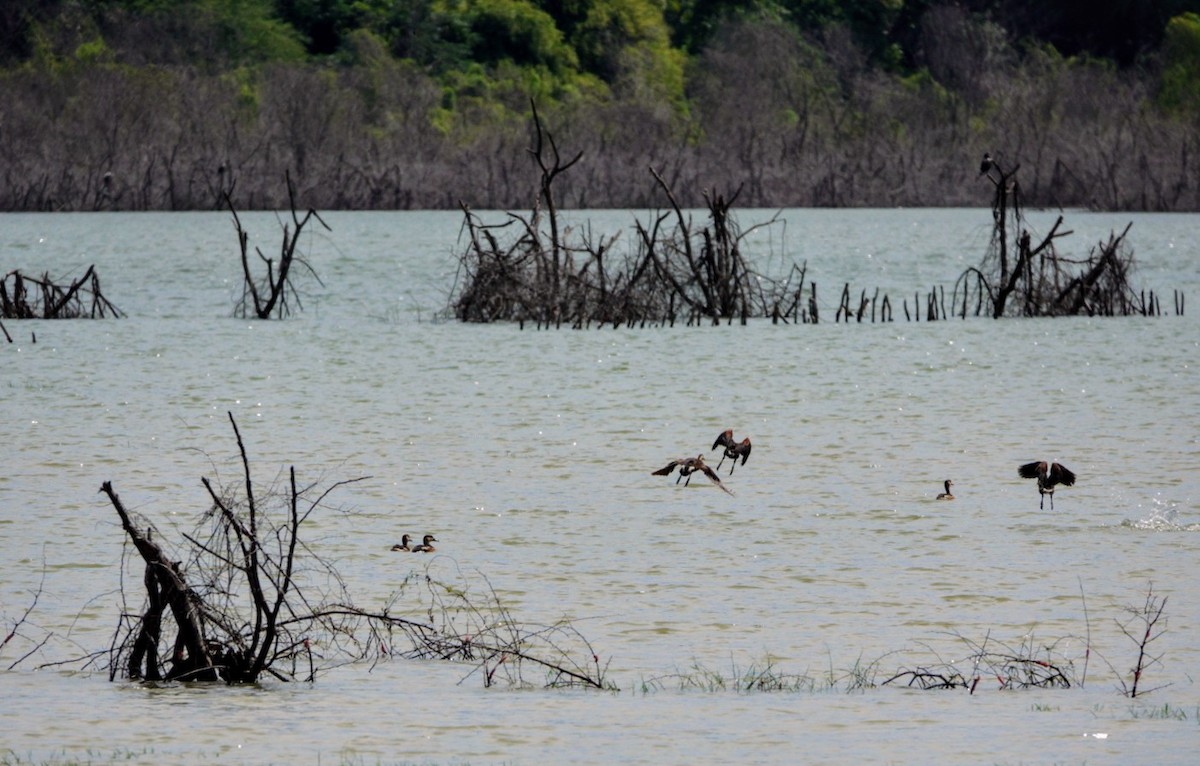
(1048,474)
(424,547)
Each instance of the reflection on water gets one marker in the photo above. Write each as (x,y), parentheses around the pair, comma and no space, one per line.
(529,455)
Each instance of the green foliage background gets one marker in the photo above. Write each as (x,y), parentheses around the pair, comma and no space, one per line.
(855,97)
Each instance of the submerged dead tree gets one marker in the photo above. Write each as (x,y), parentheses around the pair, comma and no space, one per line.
(250,598)
(272,291)
(556,275)
(1024,276)
(24,297)
(676,269)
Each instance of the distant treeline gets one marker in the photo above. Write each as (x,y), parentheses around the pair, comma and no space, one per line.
(378,104)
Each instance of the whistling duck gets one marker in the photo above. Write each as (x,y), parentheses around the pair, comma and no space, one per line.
(986,165)
(946,495)
(1047,474)
(732,449)
(403,544)
(425,546)
(688,466)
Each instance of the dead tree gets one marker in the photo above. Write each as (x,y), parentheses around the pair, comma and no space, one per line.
(1020,276)
(251,598)
(553,278)
(272,292)
(23,297)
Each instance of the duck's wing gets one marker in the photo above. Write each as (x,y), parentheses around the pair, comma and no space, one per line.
(712,476)
(666,470)
(745,450)
(1030,470)
(724,440)
(1060,474)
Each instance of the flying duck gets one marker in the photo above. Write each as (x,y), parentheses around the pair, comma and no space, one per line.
(732,449)
(687,467)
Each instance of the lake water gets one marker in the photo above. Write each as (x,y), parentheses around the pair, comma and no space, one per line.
(529,455)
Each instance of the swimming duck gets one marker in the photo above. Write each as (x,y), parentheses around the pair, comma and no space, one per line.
(946,495)
(1048,474)
(732,449)
(425,546)
(403,544)
(687,467)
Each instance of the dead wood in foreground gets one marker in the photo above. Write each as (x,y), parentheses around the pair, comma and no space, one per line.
(251,598)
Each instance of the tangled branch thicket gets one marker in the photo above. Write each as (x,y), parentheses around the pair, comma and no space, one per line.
(25,297)
(676,271)
(1021,276)
(1029,665)
(251,598)
(672,274)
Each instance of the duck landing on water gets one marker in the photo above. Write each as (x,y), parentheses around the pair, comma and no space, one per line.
(1048,474)
(688,466)
(946,495)
(732,449)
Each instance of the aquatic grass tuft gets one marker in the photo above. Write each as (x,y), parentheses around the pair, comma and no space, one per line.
(762,676)
(89,757)
(1166,712)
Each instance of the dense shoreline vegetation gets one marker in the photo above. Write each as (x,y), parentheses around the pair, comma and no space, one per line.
(377,104)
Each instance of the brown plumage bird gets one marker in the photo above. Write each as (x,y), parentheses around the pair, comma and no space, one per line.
(946,495)
(425,546)
(1048,474)
(688,466)
(732,449)
(403,544)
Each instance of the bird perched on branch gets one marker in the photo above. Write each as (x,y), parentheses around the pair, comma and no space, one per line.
(732,449)
(425,546)
(403,544)
(986,165)
(1048,474)
(688,466)
(946,495)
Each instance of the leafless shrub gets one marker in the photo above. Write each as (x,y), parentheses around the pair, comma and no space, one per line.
(1029,665)
(1144,625)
